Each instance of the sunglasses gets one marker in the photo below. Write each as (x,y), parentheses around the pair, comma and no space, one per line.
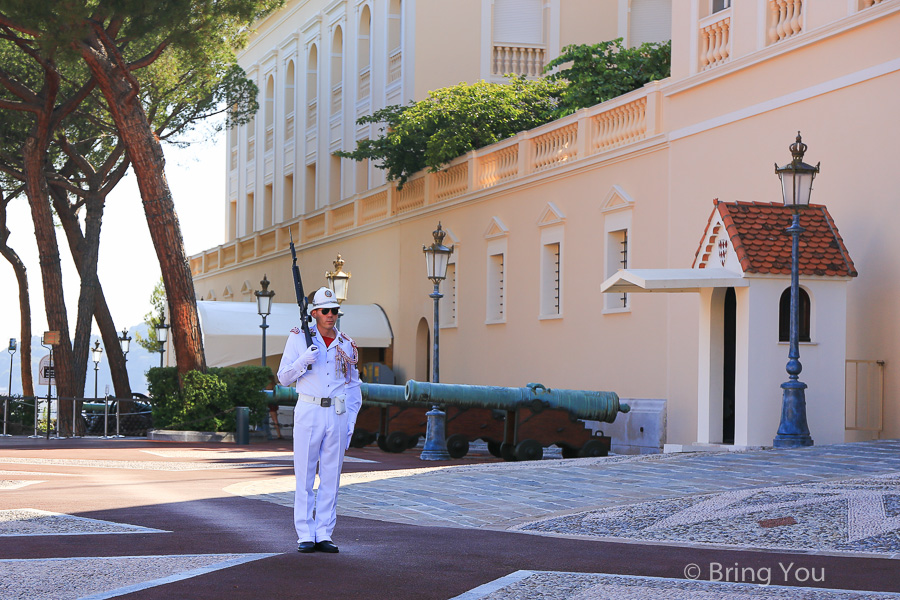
(327,311)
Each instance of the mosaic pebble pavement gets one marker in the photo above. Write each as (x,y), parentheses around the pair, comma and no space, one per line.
(850,516)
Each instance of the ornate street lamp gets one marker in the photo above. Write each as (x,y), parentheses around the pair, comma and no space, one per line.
(96,356)
(264,308)
(437,257)
(12,351)
(796,187)
(338,281)
(162,334)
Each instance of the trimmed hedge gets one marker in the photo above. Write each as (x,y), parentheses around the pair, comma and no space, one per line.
(204,400)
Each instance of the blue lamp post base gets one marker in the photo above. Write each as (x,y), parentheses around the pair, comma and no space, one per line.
(793,432)
(435,440)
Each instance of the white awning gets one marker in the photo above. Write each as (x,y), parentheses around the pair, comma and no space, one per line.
(232,334)
(670,280)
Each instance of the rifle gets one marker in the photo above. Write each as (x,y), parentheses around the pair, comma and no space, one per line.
(302,301)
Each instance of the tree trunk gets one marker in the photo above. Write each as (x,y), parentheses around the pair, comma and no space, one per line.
(24,303)
(77,245)
(145,153)
(34,152)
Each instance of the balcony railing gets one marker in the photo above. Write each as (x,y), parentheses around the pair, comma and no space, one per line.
(395,66)
(715,39)
(519,59)
(289,126)
(311,114)
(270,138)
(612,127)
(785,19)
(365,83)
(337,93)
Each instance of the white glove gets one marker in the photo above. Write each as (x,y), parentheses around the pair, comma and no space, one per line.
(308,357)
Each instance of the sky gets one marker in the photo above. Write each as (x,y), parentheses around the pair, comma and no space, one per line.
(128,267)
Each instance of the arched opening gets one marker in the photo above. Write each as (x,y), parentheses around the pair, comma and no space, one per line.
(270,113)
(312,86)
(364,53)
(423,351)
(784,316)
(289,83)
(337,70)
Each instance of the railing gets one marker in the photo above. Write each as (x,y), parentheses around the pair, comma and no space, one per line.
(613,126)
(786,19)
(365,82)
(311,115)
(864,395)
(498,166)
(411,197)
(395,66)
(336,98)
(289,127)
(715,39)
(556,147)
(270,137)
(520,60)
(621,125)
(251,149)
(234,158)
(452,182)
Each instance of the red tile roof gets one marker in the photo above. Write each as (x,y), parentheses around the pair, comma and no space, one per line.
(757,234)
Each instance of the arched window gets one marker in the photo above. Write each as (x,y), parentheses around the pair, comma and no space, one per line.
(312,86)
(364,53)
(395,56)
(289,104)
(337,70)
(784,316)
(270,113)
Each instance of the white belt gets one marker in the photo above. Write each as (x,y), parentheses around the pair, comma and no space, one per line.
(326,402)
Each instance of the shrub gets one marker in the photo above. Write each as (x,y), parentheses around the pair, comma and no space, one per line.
(204,401)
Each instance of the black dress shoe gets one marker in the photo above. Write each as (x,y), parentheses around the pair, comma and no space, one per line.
(306,547)
(327,546)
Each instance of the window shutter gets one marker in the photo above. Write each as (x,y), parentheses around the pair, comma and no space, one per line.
(518,21)
(650,21)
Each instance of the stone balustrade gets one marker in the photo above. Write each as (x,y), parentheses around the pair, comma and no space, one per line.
(785,19)
(519,60)
(715,39)
(611,127)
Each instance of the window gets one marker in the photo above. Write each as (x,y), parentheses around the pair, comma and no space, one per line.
(496,290)
(363,53)
(334,185)
(288,198)
(289,104)
(719,5)
(650,21)
(268,205)
(312,87)
(395,56)
(518,37)
(270,114)
(232,220)
(616,258)
(337,71)
(448,289)
(309,199)
(784,316)
(249,214)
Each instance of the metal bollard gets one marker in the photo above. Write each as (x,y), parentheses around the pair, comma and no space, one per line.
(242,428)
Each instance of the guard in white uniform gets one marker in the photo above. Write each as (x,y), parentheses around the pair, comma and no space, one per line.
(328,387)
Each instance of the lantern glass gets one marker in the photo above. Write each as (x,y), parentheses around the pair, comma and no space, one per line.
(263,304)
(96,353)
(124,341)
(162,332)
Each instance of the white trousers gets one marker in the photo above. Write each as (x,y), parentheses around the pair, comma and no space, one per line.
(320,436)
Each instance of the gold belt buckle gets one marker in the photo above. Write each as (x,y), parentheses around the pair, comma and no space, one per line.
(326,402)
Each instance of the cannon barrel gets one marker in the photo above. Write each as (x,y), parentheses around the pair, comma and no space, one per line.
(383,393)
(281,395)
(581,404)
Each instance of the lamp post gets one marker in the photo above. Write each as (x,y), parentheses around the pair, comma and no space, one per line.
(12,351)
(96,356)
(124,340)
(796,187)
(162,334)
(437,257)
(264,308)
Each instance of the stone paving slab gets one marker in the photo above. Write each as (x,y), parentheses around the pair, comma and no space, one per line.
(761,585)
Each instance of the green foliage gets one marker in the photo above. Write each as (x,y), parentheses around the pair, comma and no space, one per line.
(153,318)
(603,71)
(204,401)
(452,121)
